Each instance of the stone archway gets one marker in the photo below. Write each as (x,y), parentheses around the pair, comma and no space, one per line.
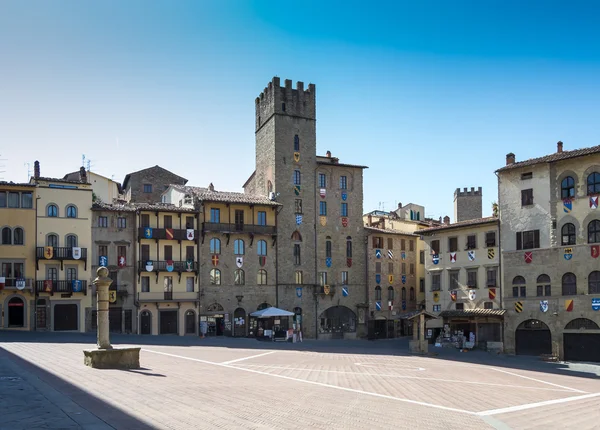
(145,322)
(533,337)
(16,312)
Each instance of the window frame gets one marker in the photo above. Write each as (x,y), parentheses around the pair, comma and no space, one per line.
(215,245)
(436,282)
(52,210)
(593,231)
(570,288)
(261,248)
(571,235)
(322,208)
(18,199)
(71,211)
(121,222)
(297,179)
(239,277)
(215,276)
(567,188)
(215,216)
(593,183)
(322,180)
(261,277)
(343,182)
(147,188)
(102,221)
(344,209)
(239,247)
(527,197)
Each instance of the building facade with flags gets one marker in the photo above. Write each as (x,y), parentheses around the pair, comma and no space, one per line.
(462,282)
(17,256)
(550,236)
(63,251)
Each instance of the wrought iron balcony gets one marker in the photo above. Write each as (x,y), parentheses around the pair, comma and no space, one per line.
(50,286)
(59,254)
(238,228)
(163,266)
(162,234)
(16,283)
(174,296)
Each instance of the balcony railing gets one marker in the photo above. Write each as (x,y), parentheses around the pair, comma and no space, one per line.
(161,233)
(238,228)
(162,266)
(12,283)
(59,253)
(167,296)
(49,286)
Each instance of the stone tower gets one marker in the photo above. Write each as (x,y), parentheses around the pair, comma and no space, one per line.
(467,204)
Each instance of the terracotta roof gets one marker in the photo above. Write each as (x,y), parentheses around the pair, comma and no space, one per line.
(473,312)
(462,224)
(329,163)
(388,231)
(64,181)
(552,158)
(204,194)
(15,184)
(138,207)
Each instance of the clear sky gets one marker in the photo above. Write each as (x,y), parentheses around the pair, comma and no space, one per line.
(430,94)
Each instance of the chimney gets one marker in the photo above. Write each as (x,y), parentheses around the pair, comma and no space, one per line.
(328,154)
(447,220)
(82,175)
(211,187)
(36,169)
(382,223)
(370,220)
(399,205)
(510,158)
(559,145)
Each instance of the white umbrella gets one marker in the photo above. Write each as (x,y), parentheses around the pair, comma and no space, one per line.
(271,312)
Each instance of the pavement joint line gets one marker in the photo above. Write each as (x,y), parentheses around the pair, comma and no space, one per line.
(535,405)
(321,384)
(383,375)
(538,380)
(249,358)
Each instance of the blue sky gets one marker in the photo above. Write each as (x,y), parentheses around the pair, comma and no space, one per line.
(430,95)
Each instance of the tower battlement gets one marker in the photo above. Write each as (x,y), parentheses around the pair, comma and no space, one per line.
(286,100)
(466,192)
(467,204)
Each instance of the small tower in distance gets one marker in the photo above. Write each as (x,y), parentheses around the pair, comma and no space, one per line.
(467,204)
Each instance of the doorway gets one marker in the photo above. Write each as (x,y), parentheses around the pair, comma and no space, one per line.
(533,337)
(215,325)
(16,312)
(190,322)
(145,322)
(41,315)
(239,322)
(168,322)
(65,317)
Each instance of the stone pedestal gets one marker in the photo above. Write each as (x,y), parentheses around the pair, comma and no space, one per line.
(116,358)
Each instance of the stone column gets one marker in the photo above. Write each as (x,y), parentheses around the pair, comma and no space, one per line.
(422,339)
(102,282)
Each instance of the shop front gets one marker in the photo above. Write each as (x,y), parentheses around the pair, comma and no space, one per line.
(471,328)
(272,323)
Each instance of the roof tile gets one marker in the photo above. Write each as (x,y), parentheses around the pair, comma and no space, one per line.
(557,156)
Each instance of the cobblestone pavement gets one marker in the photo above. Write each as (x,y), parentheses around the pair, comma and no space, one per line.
(240,383)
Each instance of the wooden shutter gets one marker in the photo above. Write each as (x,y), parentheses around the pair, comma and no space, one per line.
(519,240)
(536,238)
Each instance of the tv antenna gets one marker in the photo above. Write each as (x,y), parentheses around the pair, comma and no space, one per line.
(28,170)
(2,166)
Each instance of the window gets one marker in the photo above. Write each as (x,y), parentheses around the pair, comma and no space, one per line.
(593,183)
(189,222)
(436,284)
(145,284)
(71,211)
(298,206)
(527,175)
(261,247)
(471,241)
(261,218)
(215,277)
(488,305)
(103,221)
(490,239)
(6,236)
(189,253)
(569,284)
(403,268)
(421,285)
(391,293)
(377,242)
(239,219)
(52,240)
(377,267)
(402,244)
(103,250)
(344,278)
(344,209)
(492,277)
(168,221)
(472,278)
(261,277)
(323,208)
(168,254)
(412,269)
(215,246)
(147,188)
(594,282)
(52,274)
(411,245)
(527,197)
(322,278)
(121,222)
(568,234)
(283,107)
(71,274)
(421,257)
(412,294)
(328,247)
(437,308)
(298,277)
(377,293)
(435,246)
(460,306)
(71,241)
(168,285)
(528,239)
(322,180)
(543,286)
(13,200)
(239,277)
(18,236)
(453,278)
(594,231)
(390,267)
(122,252)
(26,200)
(3,199)
(343,183)
(189,284)
(215,215)
(348,247)
(452,244)
(296,143)
(519,287)
(567,188)
(238,247)
(297,177)
(297,256)
(52,210)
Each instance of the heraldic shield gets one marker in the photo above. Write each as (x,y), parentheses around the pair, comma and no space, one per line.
(48,252)
(544,305)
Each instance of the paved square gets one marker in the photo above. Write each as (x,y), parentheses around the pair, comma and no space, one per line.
(249,384)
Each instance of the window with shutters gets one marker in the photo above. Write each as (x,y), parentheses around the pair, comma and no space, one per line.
(328,247)
(492,275)
(471,241)
(390,242)
(460,306)
(239,219)
(453,277)
(472,278)
(490,239)
(377,242)
(390,267)
(528,239)
(377,267)
(168,252)
(145,284)
(144,220)
(168,221)
(435,246)
(452,244)
(402,244)
(436,282)
(411,245)
(527,197)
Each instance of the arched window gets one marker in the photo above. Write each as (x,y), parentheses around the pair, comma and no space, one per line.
(581,324)
(261,277)
(262,306)
(594,231)
(52,240)
(378,293)
(6,236)
(412,294)
(567,188)
(391,292)
(298,277)
(239,247)
(338,319)
(215,246)
(412,214)
(296,236)
(18,236)
(418,216)
(543,286)
(296,143)
(594,282)
(349,247)
(239,277)
(519,287)
(261,247)
(593,183)
(215,277)
(569,284)
(71,211)
(403,293)
(568,234)
(71,241)
(52,210)
(328,247)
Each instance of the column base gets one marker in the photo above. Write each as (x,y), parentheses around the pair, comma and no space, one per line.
(115,358)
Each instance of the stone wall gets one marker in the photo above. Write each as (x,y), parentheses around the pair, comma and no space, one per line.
(158,177)
(467,204)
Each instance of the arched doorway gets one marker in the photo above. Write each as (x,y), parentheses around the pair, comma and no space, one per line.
(239,322)
(41,315)
(581,340)
(145,322)
(533,337)
(190,322)
(16,312)
(337,320)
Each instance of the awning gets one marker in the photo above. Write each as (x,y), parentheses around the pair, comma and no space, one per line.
(473,313)
(271,312)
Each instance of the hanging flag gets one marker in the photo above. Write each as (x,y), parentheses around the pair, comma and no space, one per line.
(296,157)
(404,279)
(528,257)
(596,304)
(390,253)
(544,305)
(435,258)
(378,278)
(453,295)
(189,233)
(349,262)
(147,232)
(121,261)
(378,253)
(344,221)
(103,261)
(569,305)
(403,255)
(323,220)
(377,305)
(519,307)
(76,286)
(112,296)
(391,279)
(170,234)
(567,205)
(595,251)
(299,291)
(471,255)
(326,289)
(436,297)
(492,293)
(149,266)
(328,261)
(189,265)
(262,260)
(322,192)
(297,190)
(215,260)
(2,282)
(491,253)
(390,305)
(170,265)
(239,262)
(20,284)
(48,284)
(344,196)
(48,252)
(453,257)
(472,295)
(76,253)
(593,202)
(568,253)
(298,219)
(345,291)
